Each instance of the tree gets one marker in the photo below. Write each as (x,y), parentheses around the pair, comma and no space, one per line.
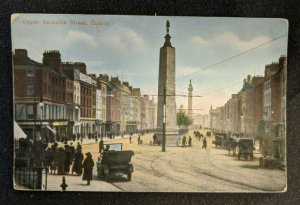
(183,120)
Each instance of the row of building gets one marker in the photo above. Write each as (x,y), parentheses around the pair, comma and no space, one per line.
(60,99)
(258,110)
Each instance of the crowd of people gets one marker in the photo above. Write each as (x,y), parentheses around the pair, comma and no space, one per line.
(60,159)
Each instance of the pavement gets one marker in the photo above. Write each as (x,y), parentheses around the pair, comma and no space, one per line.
(74,182)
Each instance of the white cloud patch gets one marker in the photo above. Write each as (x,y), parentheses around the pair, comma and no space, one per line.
(94,63)
(128,41)
(79,37)
(185,70)
(229,40)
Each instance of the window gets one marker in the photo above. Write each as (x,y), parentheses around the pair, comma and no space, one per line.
(49,89)
(45,89)
(46,112)
(30,112)
(29,73)
(30,89)
(20,111)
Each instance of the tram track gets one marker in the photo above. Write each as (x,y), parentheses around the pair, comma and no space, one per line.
(155,172)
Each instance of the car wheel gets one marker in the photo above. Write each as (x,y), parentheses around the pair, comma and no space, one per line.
(251,156)
(106,177)
(106,173)
(129,176)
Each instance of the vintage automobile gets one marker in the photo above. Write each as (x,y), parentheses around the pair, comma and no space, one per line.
(245,148)
(114,161)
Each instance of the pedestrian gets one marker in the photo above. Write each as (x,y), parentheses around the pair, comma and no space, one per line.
(130,139)
(107,148)
(101,146)
(190,141)
(204,143)
(53,158)
(88,165)
(154,139)
(78,146)
(184,141)
(60,160)
(138,140)
(77,166)
(72,150)
(68,159)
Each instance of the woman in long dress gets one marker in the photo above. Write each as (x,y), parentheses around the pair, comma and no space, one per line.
(88,165)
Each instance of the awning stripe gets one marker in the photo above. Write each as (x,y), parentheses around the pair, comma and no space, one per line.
(52,130)
(18,132)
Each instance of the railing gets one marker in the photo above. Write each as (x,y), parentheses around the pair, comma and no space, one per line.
(28,178)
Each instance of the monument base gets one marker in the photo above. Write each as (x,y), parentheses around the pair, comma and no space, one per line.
(172,137)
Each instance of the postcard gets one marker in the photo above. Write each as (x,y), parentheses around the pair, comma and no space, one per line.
(110,103)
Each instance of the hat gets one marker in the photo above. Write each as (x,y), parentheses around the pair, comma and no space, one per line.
(88,154)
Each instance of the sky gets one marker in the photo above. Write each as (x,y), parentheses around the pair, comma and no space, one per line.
(128,47)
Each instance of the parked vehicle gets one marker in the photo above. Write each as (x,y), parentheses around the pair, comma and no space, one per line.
(231,144)
(219,140)
(115,161)
(245,148)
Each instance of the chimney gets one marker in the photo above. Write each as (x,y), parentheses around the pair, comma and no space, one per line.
(21,53)
(20,56)
(126,83)
(80,66)
(52,59)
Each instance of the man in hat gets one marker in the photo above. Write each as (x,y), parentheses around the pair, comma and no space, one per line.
(101,146)
(107,148)
(88,165)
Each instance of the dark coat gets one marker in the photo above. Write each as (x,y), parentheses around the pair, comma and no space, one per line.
(77,167)
(68,160)
(88,165)
(101,146)
(204,143)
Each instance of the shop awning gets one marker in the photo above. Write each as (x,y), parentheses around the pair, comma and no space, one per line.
(59,123)
(52,130)
(18,132)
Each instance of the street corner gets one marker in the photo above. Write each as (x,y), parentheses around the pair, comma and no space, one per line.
(75,183)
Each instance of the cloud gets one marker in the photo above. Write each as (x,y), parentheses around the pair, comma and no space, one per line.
(185,70)
(229,40)
(94,63)
(128,41)
(81,37)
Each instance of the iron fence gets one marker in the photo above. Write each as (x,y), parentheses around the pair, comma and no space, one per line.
(28,178)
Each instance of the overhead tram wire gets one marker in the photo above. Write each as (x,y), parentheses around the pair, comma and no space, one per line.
(211,91)
(228,59)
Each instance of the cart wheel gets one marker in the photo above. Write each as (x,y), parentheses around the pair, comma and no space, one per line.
(129,176)
(251,156)
(106,177)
